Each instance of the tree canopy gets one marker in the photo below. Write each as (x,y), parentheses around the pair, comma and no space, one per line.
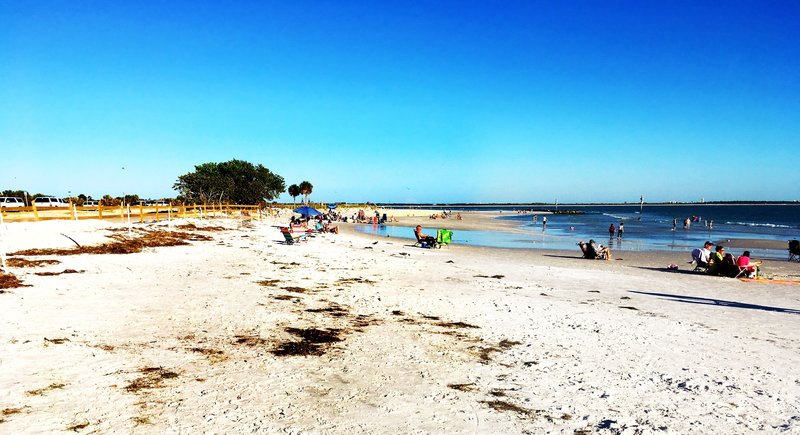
(234,181)
(293,191)
(305,189)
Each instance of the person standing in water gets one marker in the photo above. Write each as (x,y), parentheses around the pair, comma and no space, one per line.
(620,230)
(544,223)
(674,223)
(611,231)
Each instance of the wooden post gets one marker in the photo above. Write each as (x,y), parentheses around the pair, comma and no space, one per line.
(141,213)
(156,212)
(75,212)
(183,210)
(100,210)
(35,212)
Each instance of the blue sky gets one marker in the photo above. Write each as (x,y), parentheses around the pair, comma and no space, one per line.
(408,101)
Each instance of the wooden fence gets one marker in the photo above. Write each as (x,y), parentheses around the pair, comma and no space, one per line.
(138,213)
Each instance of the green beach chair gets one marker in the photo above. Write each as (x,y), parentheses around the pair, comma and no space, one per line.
(443,237)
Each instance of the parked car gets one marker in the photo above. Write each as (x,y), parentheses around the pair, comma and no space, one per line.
(11,201)
(90,204)
(49,201)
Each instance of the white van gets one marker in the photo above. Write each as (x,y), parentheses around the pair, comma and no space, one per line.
(11,201)
(49,201)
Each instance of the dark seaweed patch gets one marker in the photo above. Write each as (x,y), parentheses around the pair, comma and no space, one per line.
(629,308)
(312,342)
(41,391)
(268,282)
(502,406)
(249,340)
(59,273)
(9,280)
(55,340)
(358,280)
(21,262)
(295,289)
(462,387)
(493,276)
(455,325)
(124,245)
(77,426)
(283,297)
(152,377)
(333,310)
(212,355)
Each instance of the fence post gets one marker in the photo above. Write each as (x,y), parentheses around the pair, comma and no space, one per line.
(100,210)
(156,212)
(35,212)
(2,241)
(141,213)
(75,212)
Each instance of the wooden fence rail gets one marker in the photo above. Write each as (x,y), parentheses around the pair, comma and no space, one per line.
(138,213)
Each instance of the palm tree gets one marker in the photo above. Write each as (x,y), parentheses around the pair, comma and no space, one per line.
(294,192)
(305,189)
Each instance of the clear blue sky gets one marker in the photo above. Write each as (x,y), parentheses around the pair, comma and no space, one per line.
(407,101)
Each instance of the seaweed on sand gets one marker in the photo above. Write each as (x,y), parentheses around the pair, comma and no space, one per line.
(312,342)
(41,391)
(9,280)
(59,273)
(22,262)
(152,377)
(502,406)
(462,387)
(124,245)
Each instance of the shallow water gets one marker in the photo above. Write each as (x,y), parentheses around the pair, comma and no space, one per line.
(651,230)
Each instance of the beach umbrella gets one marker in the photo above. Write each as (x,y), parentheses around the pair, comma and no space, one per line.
(307,211)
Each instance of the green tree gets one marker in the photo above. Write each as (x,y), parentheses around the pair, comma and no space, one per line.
(305,190)
(294,192)
(234,181)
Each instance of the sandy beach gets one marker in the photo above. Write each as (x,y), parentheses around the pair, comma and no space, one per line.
(235,331)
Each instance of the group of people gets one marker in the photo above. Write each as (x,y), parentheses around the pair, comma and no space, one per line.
(592,251)
(724,264)
(445,214)
(619,230)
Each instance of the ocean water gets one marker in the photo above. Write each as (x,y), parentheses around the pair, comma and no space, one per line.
(646,231)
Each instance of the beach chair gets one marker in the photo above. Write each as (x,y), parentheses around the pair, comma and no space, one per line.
(794,250)
(292,238)
(422,243)
(443,237)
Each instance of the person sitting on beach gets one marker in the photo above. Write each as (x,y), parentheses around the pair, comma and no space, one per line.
(729,267)
(702,255)
(429,240)
(744,262)
(458,216)
(593,252)
(715,260)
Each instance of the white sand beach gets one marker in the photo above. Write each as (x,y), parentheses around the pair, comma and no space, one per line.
(348,333)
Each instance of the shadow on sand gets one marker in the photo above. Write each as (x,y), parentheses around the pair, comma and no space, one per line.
(719,302)
(681,271)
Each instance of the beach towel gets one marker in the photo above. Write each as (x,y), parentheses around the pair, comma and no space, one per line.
(771,281)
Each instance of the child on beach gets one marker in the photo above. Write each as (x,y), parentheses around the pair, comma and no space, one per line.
(611,230)
(620,230)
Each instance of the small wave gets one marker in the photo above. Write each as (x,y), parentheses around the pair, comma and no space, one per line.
(617,217)
(755,224)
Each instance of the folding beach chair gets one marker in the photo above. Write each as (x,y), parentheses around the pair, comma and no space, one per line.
(428,242)
(443,237)
(291,238)
(794,250)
